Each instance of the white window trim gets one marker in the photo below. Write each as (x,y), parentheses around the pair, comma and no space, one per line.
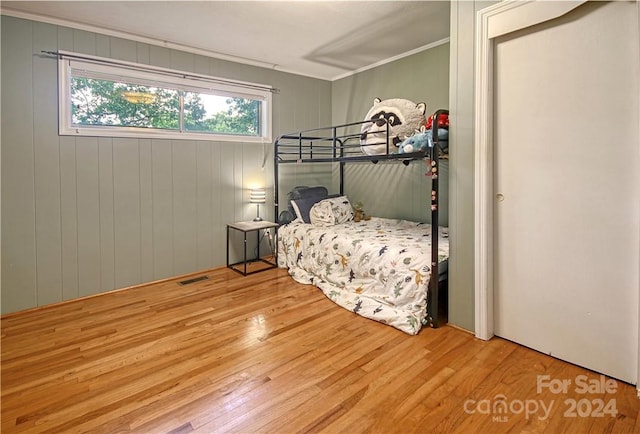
(181,79)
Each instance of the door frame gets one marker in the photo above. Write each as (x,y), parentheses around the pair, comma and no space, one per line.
(497,20)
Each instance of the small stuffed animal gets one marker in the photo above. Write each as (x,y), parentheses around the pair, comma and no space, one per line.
(421,141)
(401,116)
(443,132)
(358,212)
(443,121)
(416,143)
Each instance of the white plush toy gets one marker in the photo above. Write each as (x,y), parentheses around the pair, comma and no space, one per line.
(401,116)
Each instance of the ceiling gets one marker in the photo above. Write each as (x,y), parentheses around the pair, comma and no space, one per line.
(322,39)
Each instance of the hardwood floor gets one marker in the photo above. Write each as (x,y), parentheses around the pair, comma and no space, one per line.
(265,354)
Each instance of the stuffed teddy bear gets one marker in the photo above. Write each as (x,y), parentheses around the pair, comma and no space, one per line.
(358,212)
(401,116)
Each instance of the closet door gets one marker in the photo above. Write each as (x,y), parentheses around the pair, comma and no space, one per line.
(567,187)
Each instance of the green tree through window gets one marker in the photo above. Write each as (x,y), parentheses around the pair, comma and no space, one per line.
(97,102)
(112,98)
(103,102)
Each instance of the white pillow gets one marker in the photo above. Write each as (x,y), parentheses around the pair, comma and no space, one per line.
(296,210)
(331,211)
(342,209)
(321,214)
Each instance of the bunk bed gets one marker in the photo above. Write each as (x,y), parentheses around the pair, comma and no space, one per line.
(342,256)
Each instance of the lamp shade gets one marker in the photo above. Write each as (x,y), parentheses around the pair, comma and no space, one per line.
(258,195)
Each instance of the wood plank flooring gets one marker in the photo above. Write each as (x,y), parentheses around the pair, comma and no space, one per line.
(263,354)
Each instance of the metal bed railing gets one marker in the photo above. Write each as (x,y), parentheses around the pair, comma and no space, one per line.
(334,144)
(341,144)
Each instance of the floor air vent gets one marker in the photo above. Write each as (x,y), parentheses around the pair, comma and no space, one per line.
(194,280)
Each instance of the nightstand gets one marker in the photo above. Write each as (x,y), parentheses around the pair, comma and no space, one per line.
(245,228)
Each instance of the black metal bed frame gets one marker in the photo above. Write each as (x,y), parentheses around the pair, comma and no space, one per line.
(341,144)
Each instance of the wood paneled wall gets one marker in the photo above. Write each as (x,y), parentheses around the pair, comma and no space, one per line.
(395,190)
(83,215)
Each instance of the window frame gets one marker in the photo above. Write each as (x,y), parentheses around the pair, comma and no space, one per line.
(115,70)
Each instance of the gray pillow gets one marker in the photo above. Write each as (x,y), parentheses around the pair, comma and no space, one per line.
(303,206)
(303,192)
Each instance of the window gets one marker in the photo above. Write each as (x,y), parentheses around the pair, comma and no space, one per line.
(103,97)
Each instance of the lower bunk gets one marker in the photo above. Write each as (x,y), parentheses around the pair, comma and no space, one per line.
(378,268)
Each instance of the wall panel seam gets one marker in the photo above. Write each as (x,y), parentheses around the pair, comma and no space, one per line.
(35,203)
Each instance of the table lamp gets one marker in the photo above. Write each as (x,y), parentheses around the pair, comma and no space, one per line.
(258,196)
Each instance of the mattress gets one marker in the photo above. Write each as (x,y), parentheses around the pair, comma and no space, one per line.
(379,269)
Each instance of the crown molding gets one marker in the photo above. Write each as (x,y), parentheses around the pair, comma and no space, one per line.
(392,59)
(134,37)
(201,51)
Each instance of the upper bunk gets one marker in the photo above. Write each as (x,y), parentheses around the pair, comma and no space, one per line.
(344,143)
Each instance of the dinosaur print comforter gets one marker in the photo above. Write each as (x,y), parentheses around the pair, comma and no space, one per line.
(379,269)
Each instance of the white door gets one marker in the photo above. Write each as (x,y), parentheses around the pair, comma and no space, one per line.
(566,187)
